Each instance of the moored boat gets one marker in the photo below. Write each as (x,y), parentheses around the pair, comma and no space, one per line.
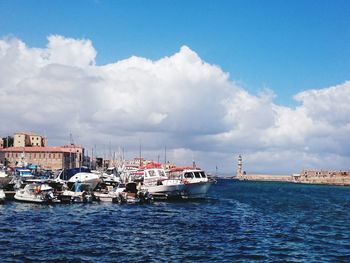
(196,182)
(36,193)
(156,182)
(81,175)
(132,194)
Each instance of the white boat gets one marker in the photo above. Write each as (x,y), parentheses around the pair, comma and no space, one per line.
(2,196)
(157,183)
(196,182)
(110,195)
(36,193)
(87,178)
(79,193)
(133,194)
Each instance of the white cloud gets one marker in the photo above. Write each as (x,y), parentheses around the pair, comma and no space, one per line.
(179,101)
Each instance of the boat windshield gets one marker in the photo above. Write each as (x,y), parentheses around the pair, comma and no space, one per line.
(161,173)
(188,175)
(152,173)
(197,174)
(203,175)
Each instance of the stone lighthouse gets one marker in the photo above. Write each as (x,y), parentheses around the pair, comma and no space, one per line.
(239,166)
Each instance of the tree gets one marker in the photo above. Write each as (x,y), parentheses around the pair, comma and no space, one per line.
(8,141)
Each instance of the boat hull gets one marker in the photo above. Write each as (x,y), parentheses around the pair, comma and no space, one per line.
(196,190)
(169,190)
(31,199)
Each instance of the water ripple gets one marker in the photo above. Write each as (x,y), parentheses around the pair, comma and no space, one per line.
(240,221)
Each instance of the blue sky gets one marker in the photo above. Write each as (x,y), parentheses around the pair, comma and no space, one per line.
(286,46)
(176,93)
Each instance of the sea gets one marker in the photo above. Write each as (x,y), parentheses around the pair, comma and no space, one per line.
(238,222)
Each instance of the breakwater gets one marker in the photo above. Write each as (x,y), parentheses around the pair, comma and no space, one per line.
(265,177)
(305,177)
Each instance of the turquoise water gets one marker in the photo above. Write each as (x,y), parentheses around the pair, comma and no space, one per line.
(240,221)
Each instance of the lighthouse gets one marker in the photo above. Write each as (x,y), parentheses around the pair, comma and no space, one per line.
(239,166)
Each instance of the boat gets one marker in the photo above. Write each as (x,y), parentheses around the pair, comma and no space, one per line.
(79,193)
(157,183)
(2,196)
(133,194)
(36,193)
(196,182)
(87,178)
(82,175)
(110,194)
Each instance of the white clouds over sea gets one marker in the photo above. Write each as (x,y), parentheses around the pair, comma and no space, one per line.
(180,101)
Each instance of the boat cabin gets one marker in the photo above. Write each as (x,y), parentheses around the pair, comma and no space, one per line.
(154,176)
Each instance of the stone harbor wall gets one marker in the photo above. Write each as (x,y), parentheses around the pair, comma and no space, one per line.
(265,177)
(323,177)
(305,177)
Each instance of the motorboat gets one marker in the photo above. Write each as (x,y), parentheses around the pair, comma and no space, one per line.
(110,194)
(2,196)
(133,194)
(81,175)
(157,183)
(87,178)
(196,182)
(36,193)
(79,193)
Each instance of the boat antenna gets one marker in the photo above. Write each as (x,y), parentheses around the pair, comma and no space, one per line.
(140,153)
(165,155)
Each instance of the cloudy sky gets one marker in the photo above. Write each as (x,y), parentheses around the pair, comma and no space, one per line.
(208,80)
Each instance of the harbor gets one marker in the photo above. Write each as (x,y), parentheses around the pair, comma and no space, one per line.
(62,177)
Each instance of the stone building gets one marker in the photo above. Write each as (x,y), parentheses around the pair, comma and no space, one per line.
(1,143)
(27,139)
(52,158)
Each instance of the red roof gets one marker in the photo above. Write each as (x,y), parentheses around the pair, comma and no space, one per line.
(36,149)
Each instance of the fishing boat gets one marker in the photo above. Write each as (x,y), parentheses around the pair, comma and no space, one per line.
(157,183)
(36,193)
(196,182)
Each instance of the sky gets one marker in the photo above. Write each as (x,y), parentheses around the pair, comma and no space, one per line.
(208,80)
